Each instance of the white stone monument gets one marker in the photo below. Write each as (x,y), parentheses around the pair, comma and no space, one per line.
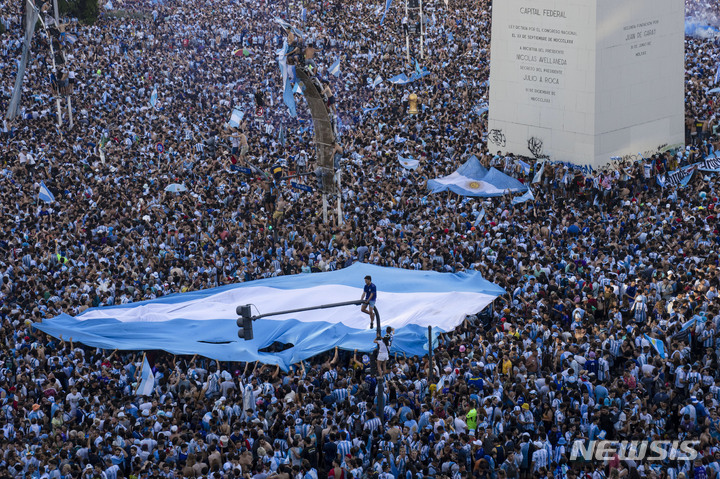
(583,81)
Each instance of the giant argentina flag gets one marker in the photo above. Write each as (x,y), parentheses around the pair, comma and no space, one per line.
(204,322)
(472,179)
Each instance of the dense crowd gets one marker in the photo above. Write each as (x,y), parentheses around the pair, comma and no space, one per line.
(608,329)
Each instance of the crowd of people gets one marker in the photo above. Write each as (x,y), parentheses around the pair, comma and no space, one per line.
(608,329)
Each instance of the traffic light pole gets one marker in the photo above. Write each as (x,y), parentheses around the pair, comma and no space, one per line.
(244,312)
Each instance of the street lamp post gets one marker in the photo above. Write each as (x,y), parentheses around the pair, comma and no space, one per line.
(244,312)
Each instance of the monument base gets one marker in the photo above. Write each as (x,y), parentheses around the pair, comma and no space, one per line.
(583,82)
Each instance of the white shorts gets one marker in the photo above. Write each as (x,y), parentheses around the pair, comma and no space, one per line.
(382,356)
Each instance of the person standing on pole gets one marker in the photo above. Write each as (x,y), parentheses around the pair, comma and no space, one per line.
(369,296)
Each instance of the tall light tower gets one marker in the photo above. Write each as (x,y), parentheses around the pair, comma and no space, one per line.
(414,25)
(31,18)
(32,15)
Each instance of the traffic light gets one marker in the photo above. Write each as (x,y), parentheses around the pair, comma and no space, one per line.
(244,322)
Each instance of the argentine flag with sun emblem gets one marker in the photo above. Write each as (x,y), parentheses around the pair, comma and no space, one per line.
(472,179)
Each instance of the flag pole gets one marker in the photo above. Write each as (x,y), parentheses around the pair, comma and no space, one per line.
(325,208)
(339,200)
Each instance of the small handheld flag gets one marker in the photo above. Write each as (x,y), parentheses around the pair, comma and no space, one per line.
(45,194)
(236,117)
(154,97)
(335,68)
(479,217)
(147,381)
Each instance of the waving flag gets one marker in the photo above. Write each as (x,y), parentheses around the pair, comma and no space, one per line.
(236,117)
(147,381)
(288,76)
(658,345)
(525,166)
(400,79)
(472,179)
(479,218)
(378,80)
(408,163)
(297,88)
(45,194)
(289,27)
(387,7)
(528,196)
(717,75)
(335,68)
(303,15)
(154,97)
(538,176)
(204,322)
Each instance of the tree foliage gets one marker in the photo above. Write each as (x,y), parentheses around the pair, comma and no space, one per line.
(85,10)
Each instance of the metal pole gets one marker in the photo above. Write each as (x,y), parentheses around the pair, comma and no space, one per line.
(422,31)
(54,66)
(339,198)
(407,32)
(31,16)
(430,358)
(57,15)
(299,310)
(70,115)
(325,208)
(380,378)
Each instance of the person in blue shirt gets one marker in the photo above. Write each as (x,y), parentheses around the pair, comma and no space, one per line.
(369,296)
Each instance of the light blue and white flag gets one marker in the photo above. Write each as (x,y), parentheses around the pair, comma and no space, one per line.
(154,97)
(717,75)
(658,345)
(472,179)
(378,80)
(334,69)
(236,117)
(400,79)
(368,110)
(303,15)
(480,108)
(528,196)
(480,217)
(297,88)
(45,194)
(387,7)
(679,177)
(204,322)
(147,380)
(288,77)
(289,26)
(525,166)
(538,175)
(408,163)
